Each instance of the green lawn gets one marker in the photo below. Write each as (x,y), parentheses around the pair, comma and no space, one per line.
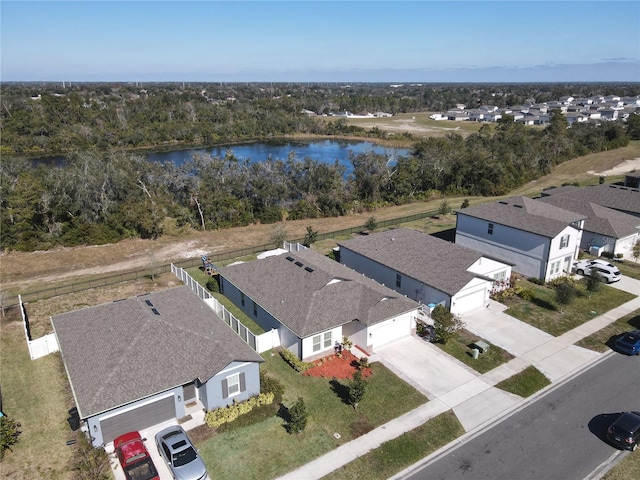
(395,455)
(35,394)
(460,347)
(602,340)
(544,312)
(525,383)
(256,452)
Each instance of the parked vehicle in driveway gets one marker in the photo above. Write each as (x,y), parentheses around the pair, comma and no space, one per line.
(134,457)
(608,272)
(180,455)
(625,431)
(629,343)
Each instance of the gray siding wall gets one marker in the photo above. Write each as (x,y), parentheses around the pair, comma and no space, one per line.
(409,287)
(527,251)
(214,388)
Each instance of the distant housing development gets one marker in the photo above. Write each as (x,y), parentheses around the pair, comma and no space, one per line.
(595,109)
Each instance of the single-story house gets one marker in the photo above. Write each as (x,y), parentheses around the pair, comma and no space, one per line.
(138,362)
(313,302)
(618,197)
(426,268)
(539,239)
(605,229)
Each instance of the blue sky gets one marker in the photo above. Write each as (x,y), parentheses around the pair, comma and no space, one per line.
(341,41)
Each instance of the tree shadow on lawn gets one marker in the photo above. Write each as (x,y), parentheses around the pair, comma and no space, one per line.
(635,322)
(544,304)
(342,391)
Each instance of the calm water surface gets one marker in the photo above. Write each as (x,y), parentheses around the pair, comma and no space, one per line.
(321,151)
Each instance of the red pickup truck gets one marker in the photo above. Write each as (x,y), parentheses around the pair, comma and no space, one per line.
(134,457)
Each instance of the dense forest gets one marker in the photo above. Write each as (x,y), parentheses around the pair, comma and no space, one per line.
(106,192)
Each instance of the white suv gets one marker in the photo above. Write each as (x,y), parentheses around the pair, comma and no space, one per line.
(608,272)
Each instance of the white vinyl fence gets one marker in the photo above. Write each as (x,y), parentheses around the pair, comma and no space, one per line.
(260,343)
(38,347)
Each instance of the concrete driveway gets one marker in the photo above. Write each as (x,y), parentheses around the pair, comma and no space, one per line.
(446,380)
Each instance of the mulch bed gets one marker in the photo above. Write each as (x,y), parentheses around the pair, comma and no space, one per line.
(337,367)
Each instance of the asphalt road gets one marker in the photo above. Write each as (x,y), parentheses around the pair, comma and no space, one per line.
(558,437)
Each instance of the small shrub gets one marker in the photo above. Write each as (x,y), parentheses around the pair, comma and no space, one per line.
(445,324)
(565,292)
(219,416)
(523,292)
(465,203)
(297,417)
(297,364)
(444,208)
(363,362)
(269,384)
(371,224)
(537,281)
(607,254)
(594,281)
(357,388)
(212,285)
(9,434)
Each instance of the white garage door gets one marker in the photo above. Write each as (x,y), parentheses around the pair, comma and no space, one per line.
(389,331)
(469,302)
(138,418)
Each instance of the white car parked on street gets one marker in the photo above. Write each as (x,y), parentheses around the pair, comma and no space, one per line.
(607,271)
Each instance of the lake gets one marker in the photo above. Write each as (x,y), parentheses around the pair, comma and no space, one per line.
(321,151)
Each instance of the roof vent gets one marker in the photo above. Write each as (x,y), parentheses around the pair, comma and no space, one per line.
(308,269)
(518,206)
(148,302)
(299,264)
(155,310)
(290,259)
(503,203)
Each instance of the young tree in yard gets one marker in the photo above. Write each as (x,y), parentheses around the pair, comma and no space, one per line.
(298,417)
(9,434)
(635,253)
(445,208)
(278,235)
(565,292)
(310,237)
(445,323)
(357,388)
(593,282)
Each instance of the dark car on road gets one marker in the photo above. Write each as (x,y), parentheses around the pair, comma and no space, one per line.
(629,343)
(625,431)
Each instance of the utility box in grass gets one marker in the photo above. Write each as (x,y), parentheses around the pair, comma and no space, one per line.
(482,347)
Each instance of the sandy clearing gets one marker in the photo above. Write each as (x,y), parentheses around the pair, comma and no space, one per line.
(628,166)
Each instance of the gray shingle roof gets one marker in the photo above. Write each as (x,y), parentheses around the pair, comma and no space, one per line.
(430,260)
(316,295)
(122,351)
(525,214)
(600,220)
(624,199)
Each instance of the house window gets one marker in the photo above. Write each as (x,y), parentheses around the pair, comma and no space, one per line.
(564,241)
(317,342)
(555,267)
(233,385)
(490,229)
(255,309)
(242,298)
(327,339)
(500,276)
(398,280)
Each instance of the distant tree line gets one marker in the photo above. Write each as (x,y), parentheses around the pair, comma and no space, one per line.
(102,196)
(50,119)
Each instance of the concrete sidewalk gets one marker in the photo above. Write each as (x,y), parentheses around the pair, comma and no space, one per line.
(449,384)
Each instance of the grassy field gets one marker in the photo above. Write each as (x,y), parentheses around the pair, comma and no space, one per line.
(544,312)
(255,452)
